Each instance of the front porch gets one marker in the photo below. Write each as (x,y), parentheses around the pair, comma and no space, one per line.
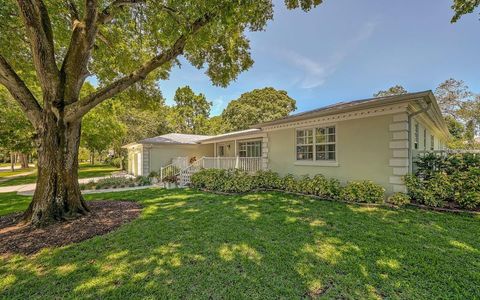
(248,153)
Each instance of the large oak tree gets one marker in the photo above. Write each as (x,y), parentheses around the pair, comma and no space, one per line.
(120,42)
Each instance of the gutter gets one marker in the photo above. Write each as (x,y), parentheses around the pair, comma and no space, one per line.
(410,116)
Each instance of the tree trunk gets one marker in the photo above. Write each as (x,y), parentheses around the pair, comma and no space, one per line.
(24,160)
(57,195)
(12,161)
(92,157)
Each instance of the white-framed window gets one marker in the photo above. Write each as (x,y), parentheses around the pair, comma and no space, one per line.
(432,142)
(417,136)
(250,149)
(316,144)
(305,144)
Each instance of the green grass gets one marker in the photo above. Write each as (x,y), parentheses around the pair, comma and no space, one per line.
(85,171)
(189,244)
(16,172)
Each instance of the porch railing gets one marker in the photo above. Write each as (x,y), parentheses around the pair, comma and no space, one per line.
(247,164)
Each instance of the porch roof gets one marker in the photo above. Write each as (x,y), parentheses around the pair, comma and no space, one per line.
(176,139)
(233,135)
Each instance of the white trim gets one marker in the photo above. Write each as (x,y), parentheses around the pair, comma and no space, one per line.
(318,163)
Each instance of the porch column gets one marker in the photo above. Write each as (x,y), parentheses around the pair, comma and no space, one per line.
(265,153)
(236,155)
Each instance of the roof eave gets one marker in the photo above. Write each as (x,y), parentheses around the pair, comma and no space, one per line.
(387,101)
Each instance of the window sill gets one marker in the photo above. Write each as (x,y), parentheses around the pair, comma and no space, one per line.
(316,163)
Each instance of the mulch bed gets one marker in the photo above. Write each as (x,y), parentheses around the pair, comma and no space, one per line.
(105,217)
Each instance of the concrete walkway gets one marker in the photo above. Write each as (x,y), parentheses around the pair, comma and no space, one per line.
(7,178)
(28,189)
(85,192)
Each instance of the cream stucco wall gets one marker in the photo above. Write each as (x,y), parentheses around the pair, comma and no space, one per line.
(362,152)
(162,155)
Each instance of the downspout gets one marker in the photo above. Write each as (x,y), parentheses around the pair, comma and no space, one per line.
(410,116)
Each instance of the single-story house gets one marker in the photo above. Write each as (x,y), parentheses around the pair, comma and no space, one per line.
(371,139)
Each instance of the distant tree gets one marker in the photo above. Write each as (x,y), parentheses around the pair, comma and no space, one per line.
(215,125)
(451,95)
(190,112)
(16,132)
(394,90)
(462,7)
(101,128)
(257,106)
(456,128)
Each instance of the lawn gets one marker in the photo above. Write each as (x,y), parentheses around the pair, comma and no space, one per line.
(18,171)
(85,171)
(189,244)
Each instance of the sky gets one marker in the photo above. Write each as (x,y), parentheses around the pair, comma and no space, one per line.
(349,49)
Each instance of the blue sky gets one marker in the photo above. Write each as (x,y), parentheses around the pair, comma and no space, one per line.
(349,49)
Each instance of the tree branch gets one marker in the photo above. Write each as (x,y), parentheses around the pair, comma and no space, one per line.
(78,109)
(106,15)
(74,66)
(74,15)
(39,30)
(20,92)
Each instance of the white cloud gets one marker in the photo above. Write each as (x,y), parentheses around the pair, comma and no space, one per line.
(315,73)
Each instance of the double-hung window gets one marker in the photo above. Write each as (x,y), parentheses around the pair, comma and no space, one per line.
(250,149)
(305,144)
(417,136)
(316,144)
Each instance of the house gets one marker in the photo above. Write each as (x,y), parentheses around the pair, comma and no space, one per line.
(372,139)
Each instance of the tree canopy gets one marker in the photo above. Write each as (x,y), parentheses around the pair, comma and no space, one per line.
(257,106)
(191,111)
(462,7)
(392,91)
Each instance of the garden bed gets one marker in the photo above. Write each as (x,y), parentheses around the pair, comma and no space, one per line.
(105,217)
(116,182)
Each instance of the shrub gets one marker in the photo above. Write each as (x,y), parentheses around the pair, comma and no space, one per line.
(143,180)
(399,199)
(153,174)
(432,191)
(268,180)
(363,191)
(210,179)
(328,188)
(469,200)
(305,185)
(171,179)
(115,182)
(238,181)
(289,183)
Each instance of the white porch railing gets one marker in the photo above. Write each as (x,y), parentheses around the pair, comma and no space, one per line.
(173,169)
(247,164)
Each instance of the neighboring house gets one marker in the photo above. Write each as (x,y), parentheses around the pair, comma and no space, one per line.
(373,139)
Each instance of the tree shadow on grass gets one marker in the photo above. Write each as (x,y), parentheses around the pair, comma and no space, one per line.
(189,244)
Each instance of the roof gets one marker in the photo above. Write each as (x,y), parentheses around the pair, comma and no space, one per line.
(346,106)
(232,134)
(175,138)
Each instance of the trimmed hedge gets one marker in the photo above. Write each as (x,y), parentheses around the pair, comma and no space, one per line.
(235,181)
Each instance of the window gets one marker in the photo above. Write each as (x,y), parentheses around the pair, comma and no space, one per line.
(325,143)
(425,139)
(250,149)
(417,136)
(221,150)
(317,144)
(432,142)
(305,144)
